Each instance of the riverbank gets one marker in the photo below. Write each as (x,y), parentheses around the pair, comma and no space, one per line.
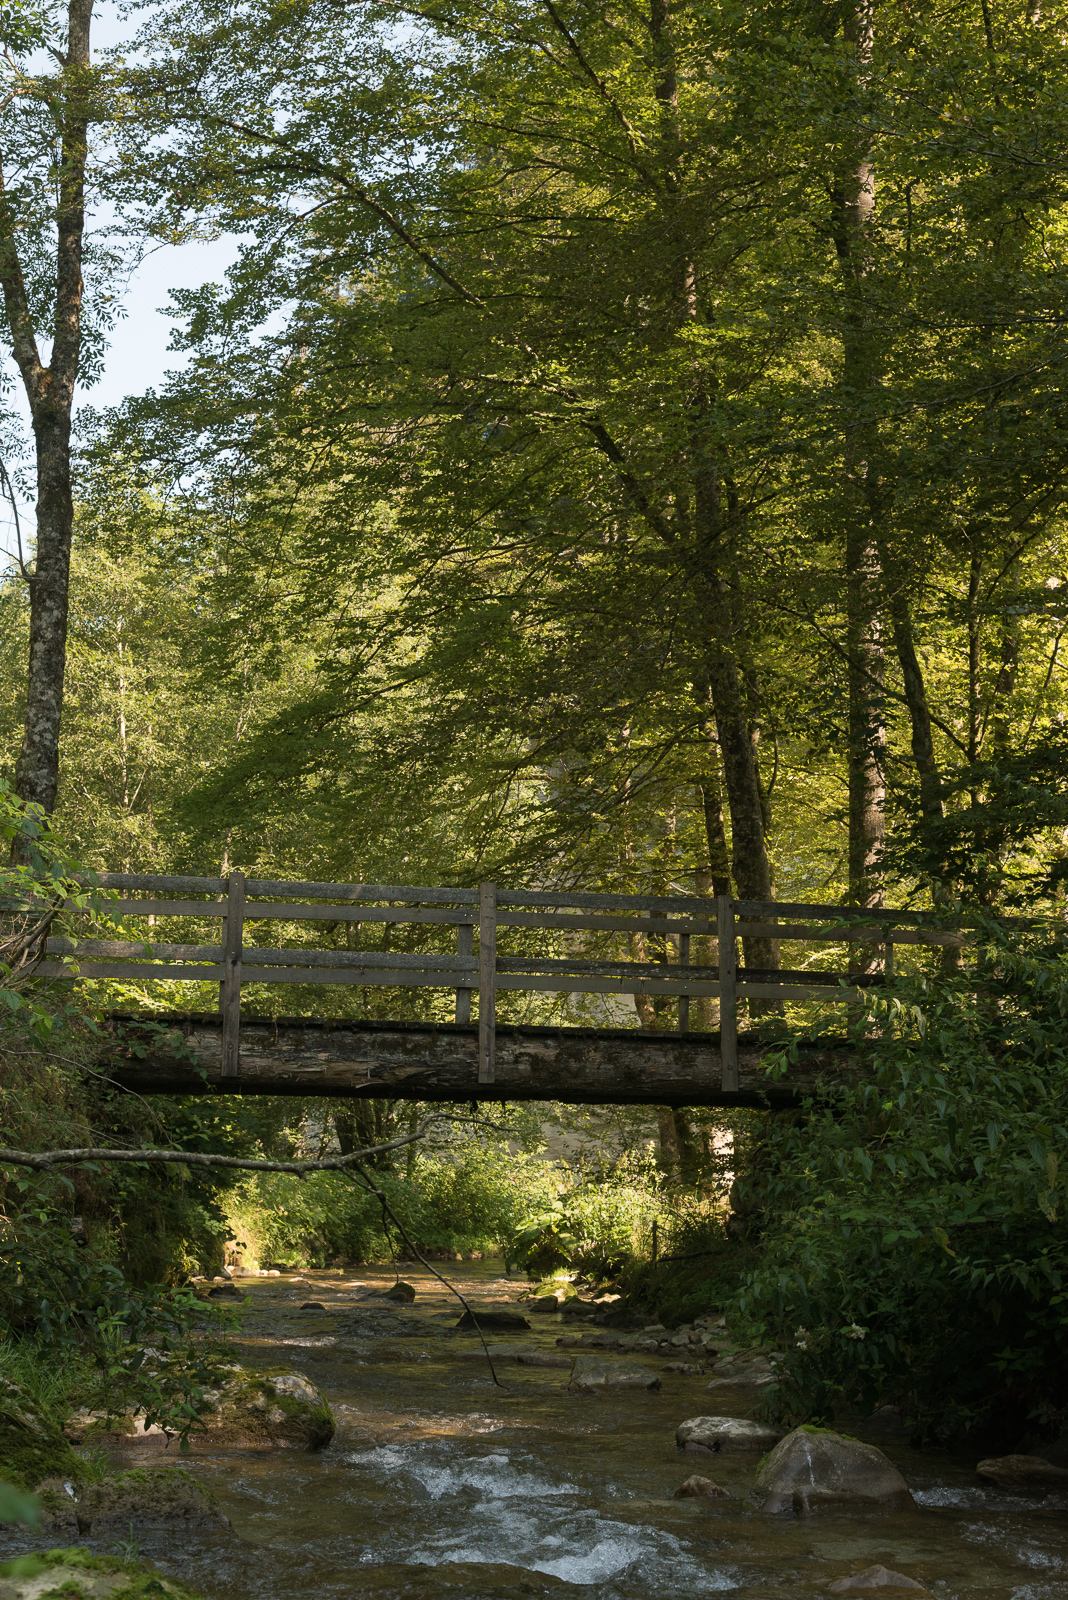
(440,1483)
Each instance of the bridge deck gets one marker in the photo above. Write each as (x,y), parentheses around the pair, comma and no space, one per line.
(423,1061)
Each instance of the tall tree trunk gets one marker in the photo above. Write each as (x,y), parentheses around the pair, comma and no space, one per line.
(854,202)
(50,393)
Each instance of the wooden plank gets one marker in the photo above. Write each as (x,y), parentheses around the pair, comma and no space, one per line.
(604,969)
(271,976)
(142,880)
(230,997)
(848,935)
(684,1000)
(275,913)
(540,919)
(295,957)
(465,949)
(144,949)
(918,919)
(364,959)
(487,983)
(568,985)
(693,904)
(126,970)
(404,893)
(727,957)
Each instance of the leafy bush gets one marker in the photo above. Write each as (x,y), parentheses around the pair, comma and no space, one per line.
(913,1242)
(456,1202)
(117,1348)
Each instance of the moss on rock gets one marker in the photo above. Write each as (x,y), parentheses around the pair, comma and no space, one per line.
(80,1575)
(147,1498)
(32,1446)
(270,1410)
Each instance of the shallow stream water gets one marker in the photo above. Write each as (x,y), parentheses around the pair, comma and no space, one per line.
(440,1484)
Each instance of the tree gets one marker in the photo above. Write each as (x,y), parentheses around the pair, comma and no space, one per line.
(45,139)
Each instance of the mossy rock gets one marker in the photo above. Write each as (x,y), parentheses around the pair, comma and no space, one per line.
(158,1496)
(269,1410)
(255,1410)
(32,1447)
(78,1575)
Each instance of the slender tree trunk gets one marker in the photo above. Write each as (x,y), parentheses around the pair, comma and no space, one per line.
(866,741)
(50,393)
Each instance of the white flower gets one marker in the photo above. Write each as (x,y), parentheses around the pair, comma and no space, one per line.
(801,1338)
(855,1331)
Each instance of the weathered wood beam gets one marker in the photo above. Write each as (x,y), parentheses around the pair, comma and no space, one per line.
(425,1061)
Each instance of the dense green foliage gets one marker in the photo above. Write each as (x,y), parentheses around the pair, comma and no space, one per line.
(912,1236)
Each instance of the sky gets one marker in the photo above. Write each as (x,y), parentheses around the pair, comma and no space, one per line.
(138,356)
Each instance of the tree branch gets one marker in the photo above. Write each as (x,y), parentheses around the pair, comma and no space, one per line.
(44,1161)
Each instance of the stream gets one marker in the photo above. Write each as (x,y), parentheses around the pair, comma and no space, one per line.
(438,1483)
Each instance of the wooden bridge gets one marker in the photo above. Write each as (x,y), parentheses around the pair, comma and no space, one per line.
(551,941)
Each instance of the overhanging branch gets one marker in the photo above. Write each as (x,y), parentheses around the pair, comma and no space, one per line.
(45,1160)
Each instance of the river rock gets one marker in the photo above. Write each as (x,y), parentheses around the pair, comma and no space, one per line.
(312,1305)
(813,1467)
(749,1367)
(716,1434)
(163,1496)
(542,1304)
(698,1488)
(32,1446)
(79,1573)
(524,1355)
(590,1375)
(493,1319)
(685,1369)
(225,1291)
(269,1409)
(872,1578)
(1023,1472)
(57,1498)
(400,1291)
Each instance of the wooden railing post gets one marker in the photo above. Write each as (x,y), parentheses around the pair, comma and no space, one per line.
(727,957)
(465,946)
(684,999)
(230,996)
(487,982)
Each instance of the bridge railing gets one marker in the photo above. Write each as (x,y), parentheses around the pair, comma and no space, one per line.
(677,920)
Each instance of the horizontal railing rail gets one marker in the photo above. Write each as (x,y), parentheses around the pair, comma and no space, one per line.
(239,902)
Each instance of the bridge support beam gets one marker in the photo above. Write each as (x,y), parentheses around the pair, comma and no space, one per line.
(423,1061)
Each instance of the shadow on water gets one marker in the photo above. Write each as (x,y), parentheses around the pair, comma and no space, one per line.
(437,1483)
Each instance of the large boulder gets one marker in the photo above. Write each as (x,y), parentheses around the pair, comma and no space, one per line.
(84,1575)
(1023,1472)
(813,1467)
(269,1410)
(165,1496)
(32,1446)
(716,1434)
(255,1410)
(590,1375)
